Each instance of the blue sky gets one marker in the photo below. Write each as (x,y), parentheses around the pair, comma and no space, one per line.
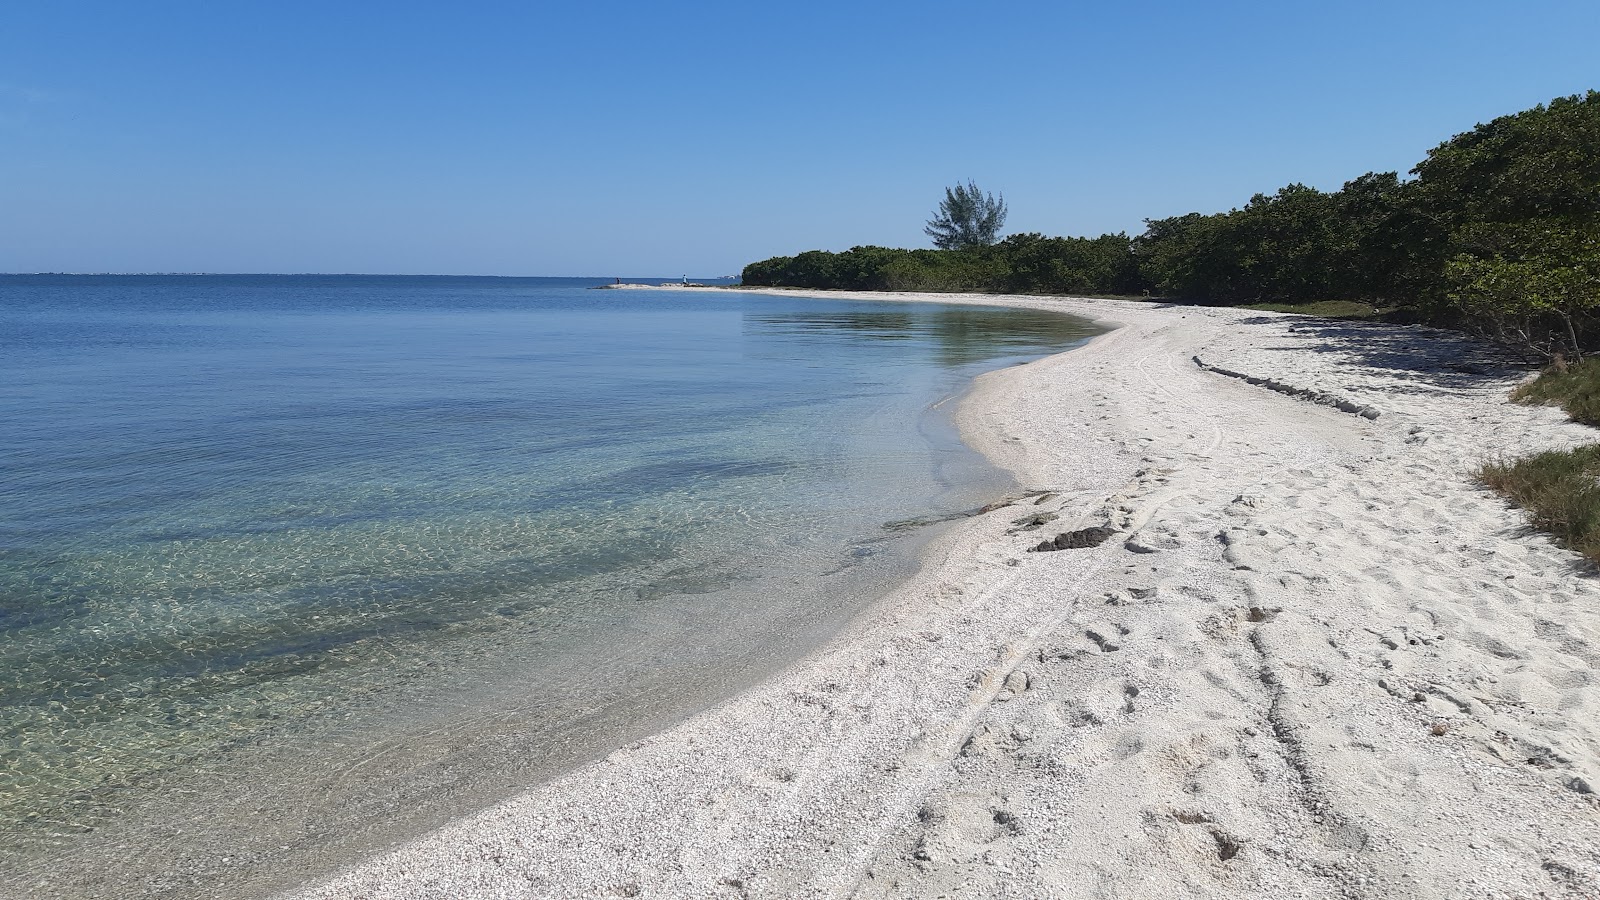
(613,138)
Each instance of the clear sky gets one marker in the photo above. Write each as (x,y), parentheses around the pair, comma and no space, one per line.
(619,138)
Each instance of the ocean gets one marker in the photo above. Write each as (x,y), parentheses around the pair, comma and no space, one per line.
(295,567)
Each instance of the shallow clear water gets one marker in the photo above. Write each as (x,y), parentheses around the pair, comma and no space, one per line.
(496,523)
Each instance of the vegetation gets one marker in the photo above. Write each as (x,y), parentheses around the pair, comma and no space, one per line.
(1573,387)
(1329,309)
(1560,489)
(1561,492)
(1497,232)
(1517,206)
(1022,263)
(967,218)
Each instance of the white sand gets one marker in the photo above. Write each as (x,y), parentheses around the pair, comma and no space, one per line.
(1316,660)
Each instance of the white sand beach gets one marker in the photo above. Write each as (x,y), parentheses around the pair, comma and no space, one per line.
(1314,659)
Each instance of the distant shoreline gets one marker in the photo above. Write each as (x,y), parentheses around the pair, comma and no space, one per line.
(664,286)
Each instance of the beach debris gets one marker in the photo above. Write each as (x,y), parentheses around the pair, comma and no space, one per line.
(924,521)
(1340,403)
(1076,540)
(1037,520)
(1105,644)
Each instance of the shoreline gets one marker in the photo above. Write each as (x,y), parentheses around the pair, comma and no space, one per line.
(1313,660)
(484,724)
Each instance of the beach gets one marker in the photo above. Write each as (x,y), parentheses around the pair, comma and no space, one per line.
(1294,651)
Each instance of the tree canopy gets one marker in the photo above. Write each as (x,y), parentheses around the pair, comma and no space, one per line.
(967,217)
(1497,232)
(1517,207)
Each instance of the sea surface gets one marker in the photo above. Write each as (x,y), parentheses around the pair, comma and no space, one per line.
(295,567)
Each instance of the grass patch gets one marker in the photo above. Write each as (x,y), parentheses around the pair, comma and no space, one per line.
(1328,309)
(1575,387)
(1560,490)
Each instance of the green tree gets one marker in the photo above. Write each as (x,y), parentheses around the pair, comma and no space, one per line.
(1292,246)
(967,217)
(1393,247)
(1188,256)
(1517,201)
(1035,264)
(1538,290)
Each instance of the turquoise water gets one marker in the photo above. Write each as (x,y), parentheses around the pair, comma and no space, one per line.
(446,531)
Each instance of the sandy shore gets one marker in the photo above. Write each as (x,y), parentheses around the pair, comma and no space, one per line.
(1314,660)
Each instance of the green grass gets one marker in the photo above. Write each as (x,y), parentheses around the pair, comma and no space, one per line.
(1328,309)
(1560,490)
(1574,387)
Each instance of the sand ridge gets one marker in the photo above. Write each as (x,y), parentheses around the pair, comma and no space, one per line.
(1313,660)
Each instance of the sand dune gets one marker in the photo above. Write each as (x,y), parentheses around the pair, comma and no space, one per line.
(1313,659)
